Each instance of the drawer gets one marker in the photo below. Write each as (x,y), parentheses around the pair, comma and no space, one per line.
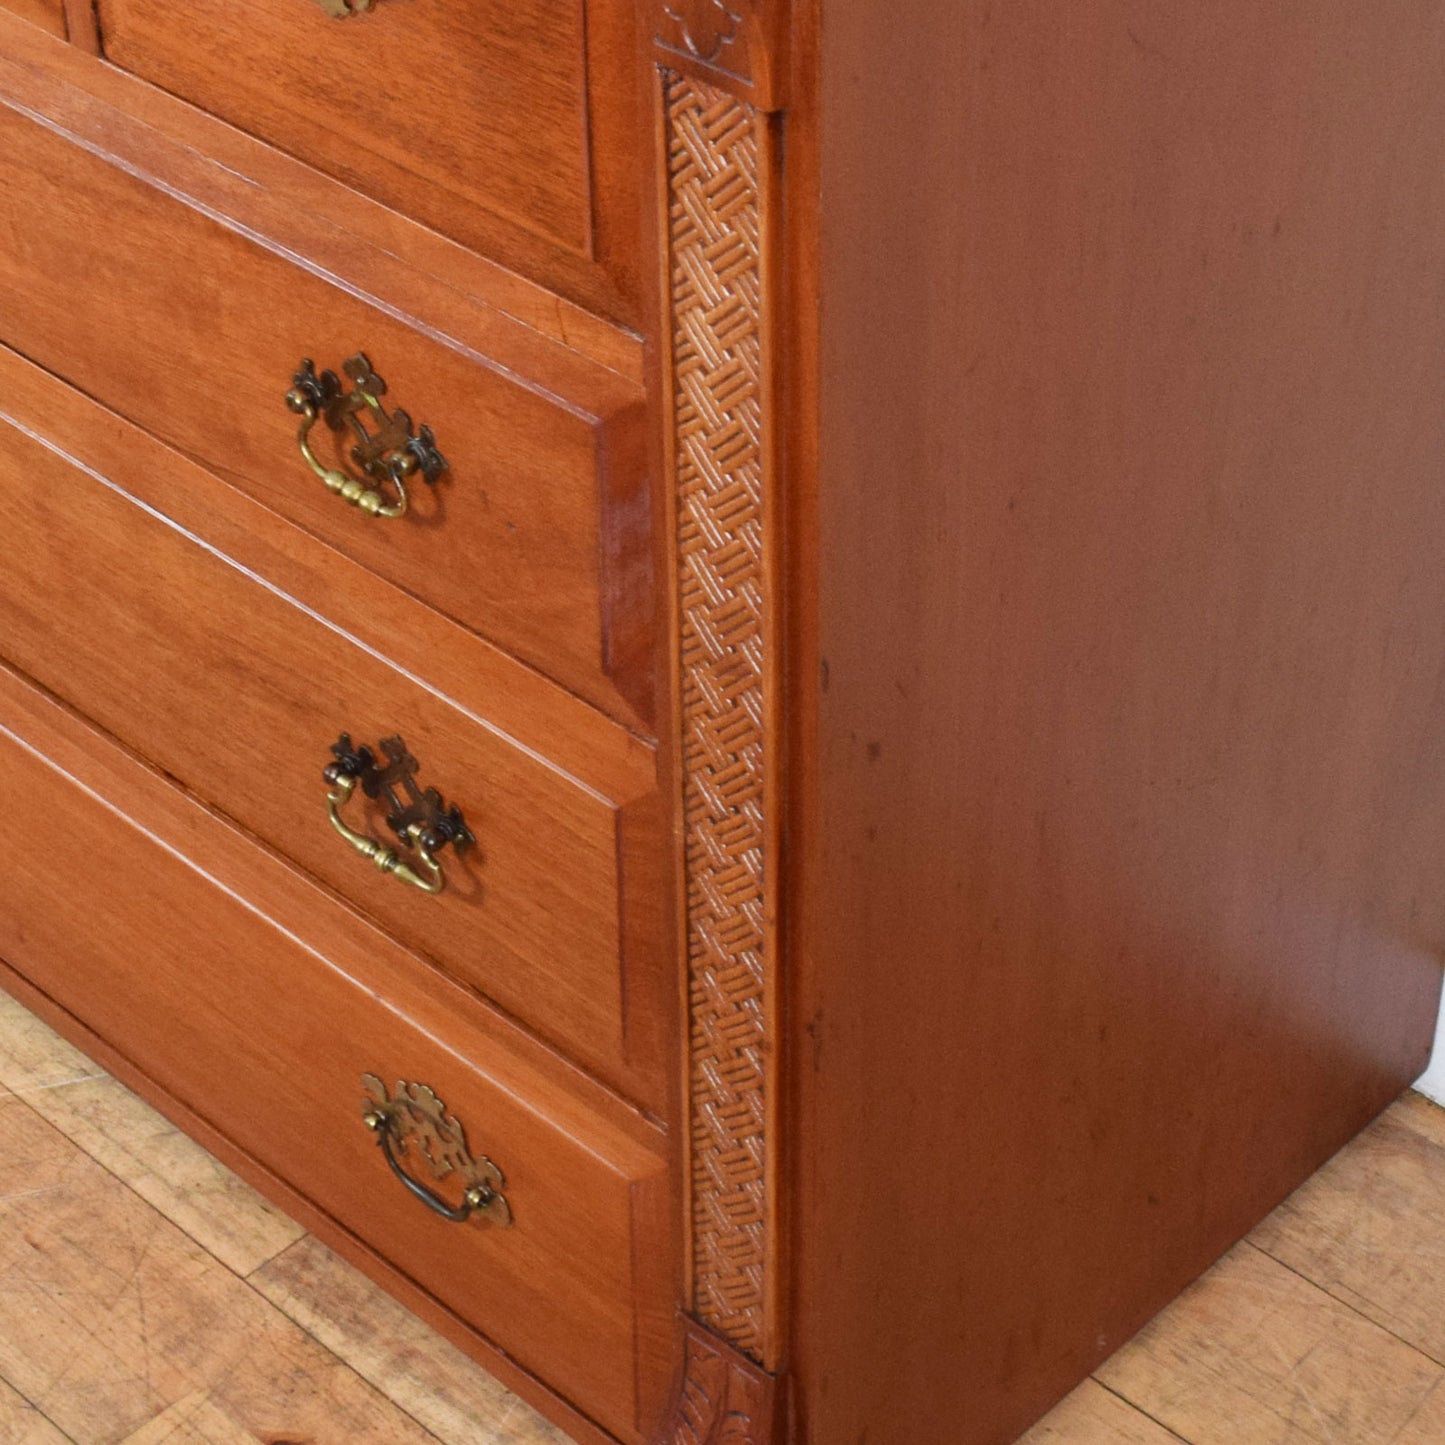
(48,14)
(536,535)
(512,126)
(248,996)
(223,662)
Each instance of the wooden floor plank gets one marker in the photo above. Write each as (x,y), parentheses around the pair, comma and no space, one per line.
(1094,1416)
(1423,1115)
(129,1324)
(1254,1355)
(33,1056)
(196,1420)
(411,1364)
(1427,1427)
(192,1188)
(112,1315)
(22,1424)
(1370,1226)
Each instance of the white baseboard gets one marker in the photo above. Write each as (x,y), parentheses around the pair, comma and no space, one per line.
(1433,1083)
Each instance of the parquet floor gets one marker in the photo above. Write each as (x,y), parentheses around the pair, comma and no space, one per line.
(148,1297)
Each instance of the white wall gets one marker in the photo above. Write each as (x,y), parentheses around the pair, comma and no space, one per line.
(1434,1081)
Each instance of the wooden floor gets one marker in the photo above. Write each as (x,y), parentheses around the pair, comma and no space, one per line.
(148,1296)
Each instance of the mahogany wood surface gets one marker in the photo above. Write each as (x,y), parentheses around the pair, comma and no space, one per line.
(511,125)
(268,1003)
(538,535)
(1040,410)
(1119,906)
(355,1251)
(238,689)
(48,14)
(296,209)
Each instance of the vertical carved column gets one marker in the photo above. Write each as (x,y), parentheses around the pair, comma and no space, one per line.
(724,1400)
(716,190)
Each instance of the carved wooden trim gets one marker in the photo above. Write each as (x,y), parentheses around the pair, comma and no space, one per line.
(737,45)
(724,1399)
(715,153)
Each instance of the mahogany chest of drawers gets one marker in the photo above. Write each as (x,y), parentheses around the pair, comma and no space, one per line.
(751,694)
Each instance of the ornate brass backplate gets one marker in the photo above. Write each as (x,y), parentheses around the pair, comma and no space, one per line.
(386,450)
(413,1123)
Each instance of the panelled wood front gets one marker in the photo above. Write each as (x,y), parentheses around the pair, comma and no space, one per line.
(48,14)
(262,1017)
(537,535)
(239,689)
(251,633)
(505,124)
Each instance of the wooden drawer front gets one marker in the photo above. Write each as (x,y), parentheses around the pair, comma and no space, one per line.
(48,14)
(251,998)
(509,125)
(537,535)
(239,689)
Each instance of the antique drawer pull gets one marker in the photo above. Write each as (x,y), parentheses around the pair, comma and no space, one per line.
(421,822)
(415,1122)
(387,456)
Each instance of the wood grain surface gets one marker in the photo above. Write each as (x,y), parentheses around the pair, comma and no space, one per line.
(1116,898)
(553,914)
(114,1317)
(49,15)
(430,1379)
(507,126)
(1354,1228)
(1093,1415)
(1255,1352)
(277,1001)
(386,1346)
(1230,1326)
(538,535)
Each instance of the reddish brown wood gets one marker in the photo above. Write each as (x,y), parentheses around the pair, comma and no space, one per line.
(509,125)
(239,690)
(1095,671)
(276,1000)
(739,46)
(539,534)
(365,1257)
(80,25)
(1118,908)
(295,208)
(49,15)
(723,1398)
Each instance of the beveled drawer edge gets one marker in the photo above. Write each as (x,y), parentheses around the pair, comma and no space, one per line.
(310,1216)
(541,719)
(210,845)
(579,1112)
(597,367)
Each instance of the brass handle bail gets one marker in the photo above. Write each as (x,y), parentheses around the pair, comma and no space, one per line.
(415,1121)
(387,456)
(422,823)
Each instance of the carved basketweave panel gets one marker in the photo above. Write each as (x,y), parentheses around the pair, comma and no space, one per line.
(716,274)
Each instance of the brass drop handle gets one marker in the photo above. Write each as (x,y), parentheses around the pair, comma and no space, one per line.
(387,457)
(415,1121)
(422,823)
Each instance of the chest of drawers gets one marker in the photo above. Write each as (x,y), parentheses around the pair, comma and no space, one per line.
(750,694)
